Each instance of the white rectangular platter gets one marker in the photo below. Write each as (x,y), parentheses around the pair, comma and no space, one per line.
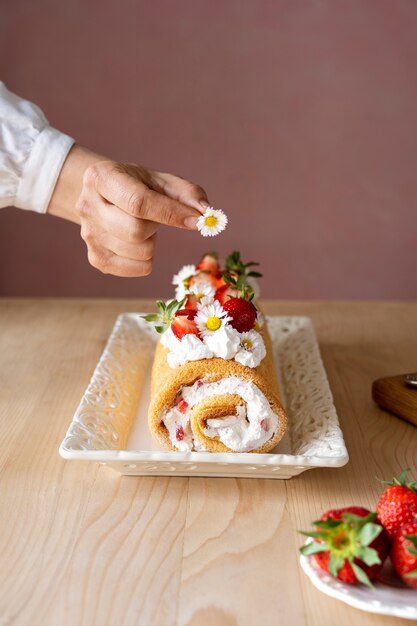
(110,424)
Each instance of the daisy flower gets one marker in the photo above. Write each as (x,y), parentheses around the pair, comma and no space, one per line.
(181,279)
(204,293)
(212,222)
(210,318)
(252,349)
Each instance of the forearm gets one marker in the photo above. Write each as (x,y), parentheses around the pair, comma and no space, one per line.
(70,181)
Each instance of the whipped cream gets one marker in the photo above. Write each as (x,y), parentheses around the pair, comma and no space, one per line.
(226,343)
(252,426)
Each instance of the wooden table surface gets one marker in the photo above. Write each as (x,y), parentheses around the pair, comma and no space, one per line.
(82,545)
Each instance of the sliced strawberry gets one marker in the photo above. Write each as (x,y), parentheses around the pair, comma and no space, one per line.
(179,433)
(242,312)
(225,292)
(182,325)
(191,302)
(182,405)
(209,263)
(204,277)
(190,313)
(265,424)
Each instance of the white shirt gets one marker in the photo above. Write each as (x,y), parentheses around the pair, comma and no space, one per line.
(31,154)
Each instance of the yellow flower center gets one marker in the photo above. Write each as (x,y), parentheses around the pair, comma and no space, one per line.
(213,323)
(247,344)
(211,221)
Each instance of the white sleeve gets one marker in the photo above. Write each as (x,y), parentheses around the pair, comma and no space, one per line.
(31,154)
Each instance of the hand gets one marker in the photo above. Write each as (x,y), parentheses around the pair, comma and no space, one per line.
(121,207)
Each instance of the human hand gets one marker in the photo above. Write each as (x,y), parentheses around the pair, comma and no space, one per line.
(120,208)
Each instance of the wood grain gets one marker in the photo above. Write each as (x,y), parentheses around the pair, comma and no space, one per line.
(81,545)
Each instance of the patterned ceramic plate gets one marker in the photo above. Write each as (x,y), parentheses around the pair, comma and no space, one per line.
(110,424)
(390,595)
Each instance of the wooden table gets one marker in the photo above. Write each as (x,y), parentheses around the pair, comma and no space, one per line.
(81,545)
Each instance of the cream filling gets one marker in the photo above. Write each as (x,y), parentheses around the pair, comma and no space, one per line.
(254,424)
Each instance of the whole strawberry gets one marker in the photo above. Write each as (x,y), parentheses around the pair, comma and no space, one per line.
(242,312)
(404,553)
(398,504)
(349,544)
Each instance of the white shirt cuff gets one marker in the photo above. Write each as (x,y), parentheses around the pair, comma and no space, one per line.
(42,169)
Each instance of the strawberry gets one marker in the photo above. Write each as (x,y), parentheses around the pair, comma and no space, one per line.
(179,433)
(398,504)
(182,405)
(404,553)
(184,324)
(190,313)
(191,302)
(209,263)
(349,544)
(203,277)
(242,312)
(225,292)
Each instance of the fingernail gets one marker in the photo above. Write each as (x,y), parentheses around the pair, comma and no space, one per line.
(204,204)
(191,222)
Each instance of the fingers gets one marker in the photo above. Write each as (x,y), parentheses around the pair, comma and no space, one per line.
(110,255)
(109,263)
(182,190)
(136,199)
(123,226)
(143,252)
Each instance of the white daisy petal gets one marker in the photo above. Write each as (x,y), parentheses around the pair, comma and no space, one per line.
(184,274)
(202,289)
(252,349)
(212,222)
(210,318)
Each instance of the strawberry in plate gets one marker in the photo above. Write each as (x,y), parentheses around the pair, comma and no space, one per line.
(404,553)
(350,544)
(397,505)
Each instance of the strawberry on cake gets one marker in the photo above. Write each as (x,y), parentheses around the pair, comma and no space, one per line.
(213,382)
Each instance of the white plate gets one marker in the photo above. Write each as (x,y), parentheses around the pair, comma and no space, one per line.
(390,595)
(110,424)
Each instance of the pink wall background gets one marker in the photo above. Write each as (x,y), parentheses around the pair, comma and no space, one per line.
(299,117)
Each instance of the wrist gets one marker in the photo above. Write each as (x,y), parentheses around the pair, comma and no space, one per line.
(70,181)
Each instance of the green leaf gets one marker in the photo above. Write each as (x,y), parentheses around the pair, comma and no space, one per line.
(413,539)
(403,477)
(335,564)
(328,523)
(368,533)
(315,534)
(358,520)
(412,574)
(361,575)
(255,274)
(152,317)
(368,555)
(312,548)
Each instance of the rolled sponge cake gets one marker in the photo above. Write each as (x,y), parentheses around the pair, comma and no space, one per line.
(168,384)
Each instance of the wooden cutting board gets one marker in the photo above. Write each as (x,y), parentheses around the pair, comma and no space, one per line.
(394,395)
